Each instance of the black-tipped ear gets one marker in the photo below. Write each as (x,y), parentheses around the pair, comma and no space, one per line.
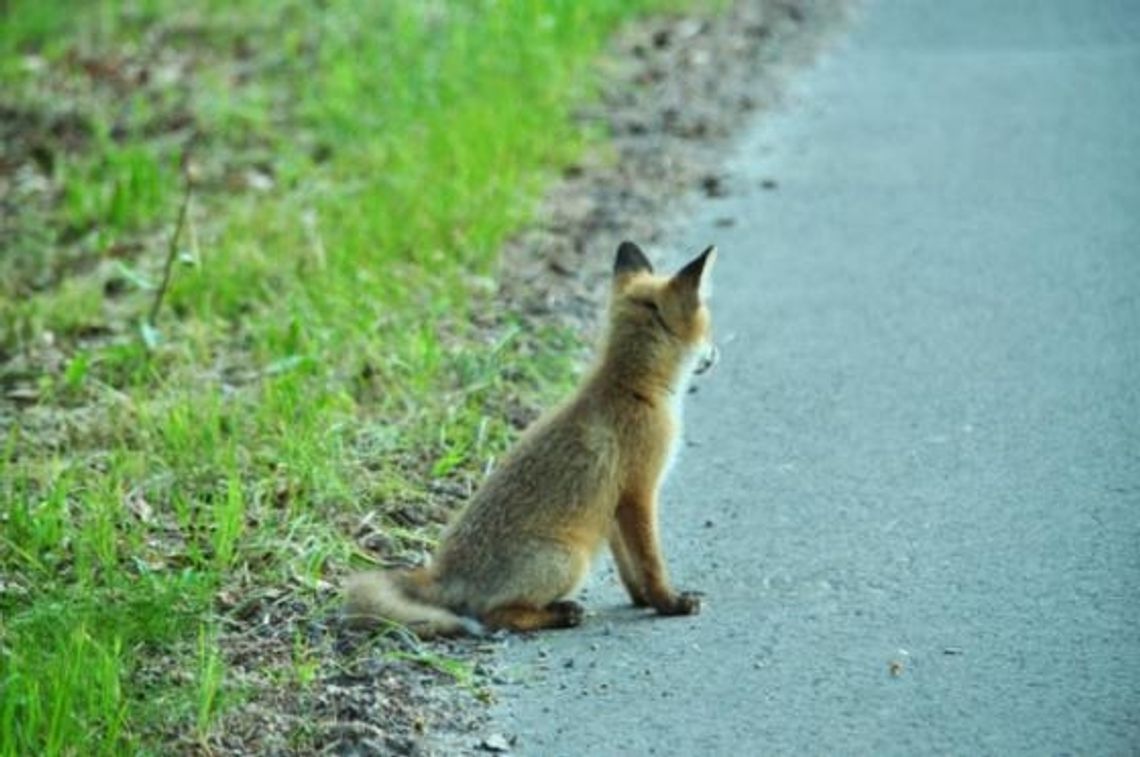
(630,259)
(695,274)
(695,268)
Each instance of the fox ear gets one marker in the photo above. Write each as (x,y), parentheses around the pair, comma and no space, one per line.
(630,259)
(696,275)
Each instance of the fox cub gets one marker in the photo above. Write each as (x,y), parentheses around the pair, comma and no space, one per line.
(586,472)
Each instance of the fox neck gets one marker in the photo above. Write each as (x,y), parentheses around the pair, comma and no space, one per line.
(653,375)
(640,376)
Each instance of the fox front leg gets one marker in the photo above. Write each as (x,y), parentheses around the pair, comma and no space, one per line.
(637,522)
(631,577)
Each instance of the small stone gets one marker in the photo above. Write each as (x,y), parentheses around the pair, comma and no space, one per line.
(496,742)
(714,186)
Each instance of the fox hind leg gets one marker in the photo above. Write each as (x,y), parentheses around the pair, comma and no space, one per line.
(524,617)
(534,595)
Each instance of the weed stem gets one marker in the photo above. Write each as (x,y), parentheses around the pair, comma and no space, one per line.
(172,250)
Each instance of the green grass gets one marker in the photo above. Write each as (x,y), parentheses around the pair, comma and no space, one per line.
(358,166)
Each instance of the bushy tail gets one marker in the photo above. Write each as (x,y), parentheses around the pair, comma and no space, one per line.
(378,596)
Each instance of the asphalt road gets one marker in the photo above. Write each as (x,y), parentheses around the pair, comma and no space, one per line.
(911,490)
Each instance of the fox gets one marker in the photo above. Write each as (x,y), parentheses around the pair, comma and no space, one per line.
(586,473)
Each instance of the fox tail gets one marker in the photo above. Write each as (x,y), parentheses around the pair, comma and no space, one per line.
(402,596)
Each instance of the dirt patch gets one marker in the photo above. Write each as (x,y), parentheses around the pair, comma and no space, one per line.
(352,694)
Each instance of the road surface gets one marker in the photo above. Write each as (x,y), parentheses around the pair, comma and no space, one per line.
(911,490)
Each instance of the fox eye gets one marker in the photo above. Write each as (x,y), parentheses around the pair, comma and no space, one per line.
(651,305)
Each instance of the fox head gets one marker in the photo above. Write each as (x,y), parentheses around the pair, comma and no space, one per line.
(660,325)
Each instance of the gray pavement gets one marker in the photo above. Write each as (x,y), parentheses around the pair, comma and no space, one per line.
(911,490)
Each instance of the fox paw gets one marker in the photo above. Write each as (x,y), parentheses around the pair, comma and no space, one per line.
(689,602)
(685,603)
(570,613)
